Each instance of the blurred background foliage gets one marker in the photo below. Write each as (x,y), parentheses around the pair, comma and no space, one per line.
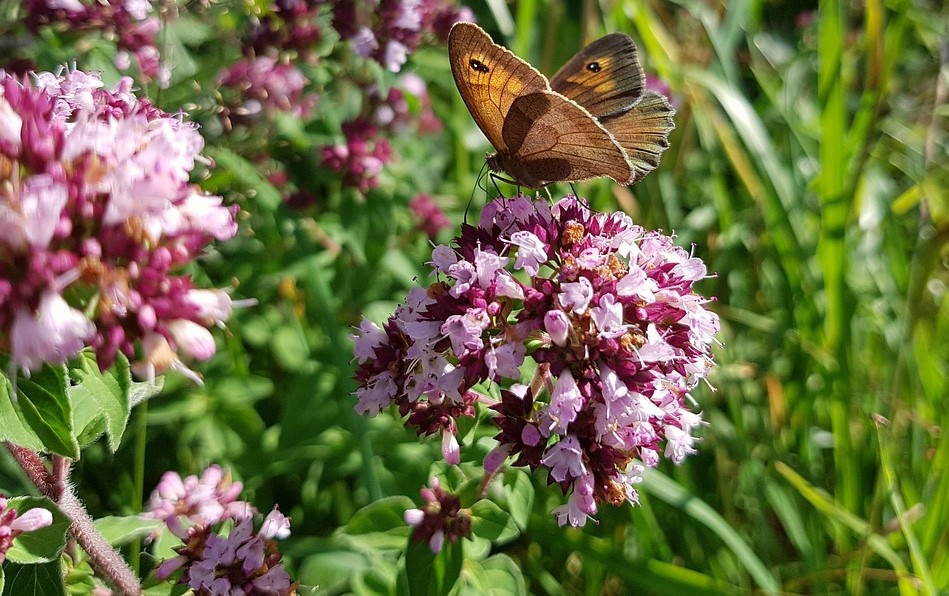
(808,168)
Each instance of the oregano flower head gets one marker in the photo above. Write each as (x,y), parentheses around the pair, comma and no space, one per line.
(606,311)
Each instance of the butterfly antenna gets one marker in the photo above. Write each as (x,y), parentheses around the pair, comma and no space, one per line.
(477,186)
(573,190)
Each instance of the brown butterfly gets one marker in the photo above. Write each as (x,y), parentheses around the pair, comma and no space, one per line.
(593,119)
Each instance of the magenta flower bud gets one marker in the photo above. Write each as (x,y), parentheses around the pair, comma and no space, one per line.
(413,517)
(34,519)
(10,125)
(530,436)
(193,339)
(557,325)
(495,458)
(439,518)
(451,451)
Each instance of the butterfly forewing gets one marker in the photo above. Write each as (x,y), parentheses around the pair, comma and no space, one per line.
(643,131)
(552,139)
(489,78)
(605,77)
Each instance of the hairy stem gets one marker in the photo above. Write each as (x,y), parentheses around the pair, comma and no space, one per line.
(105,560)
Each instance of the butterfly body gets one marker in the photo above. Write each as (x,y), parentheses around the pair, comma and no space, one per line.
(550,131)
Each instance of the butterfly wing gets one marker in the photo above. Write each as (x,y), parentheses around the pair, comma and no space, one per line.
(552,139)
(605,77)
(489,77)
(643,132)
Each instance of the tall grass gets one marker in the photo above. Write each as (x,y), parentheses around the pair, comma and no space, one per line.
(808,168)
(809,165)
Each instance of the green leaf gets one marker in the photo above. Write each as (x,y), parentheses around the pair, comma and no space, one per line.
(379,516)
(333,570)
(40,416)
(431,573)
(122,530)
(491,522)
(496,575)
(289,348)
(43,545)
(34,580)
(264,194)
(139,392)
(12,426)
(100,400)
(520,496)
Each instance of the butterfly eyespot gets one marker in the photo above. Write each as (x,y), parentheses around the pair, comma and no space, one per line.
(594,67)
(479,66)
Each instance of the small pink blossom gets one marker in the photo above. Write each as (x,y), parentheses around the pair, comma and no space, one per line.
(12,525)
(557,326)
(576,295)
(565,402)
(54,333)
(531,251)
(565,459)
(276,525)
(439,518)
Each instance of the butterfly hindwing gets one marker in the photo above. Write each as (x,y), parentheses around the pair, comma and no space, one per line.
(556,140)
(643,131)
(605,77)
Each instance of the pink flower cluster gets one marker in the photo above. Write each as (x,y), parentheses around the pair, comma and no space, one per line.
(12,525)
(604,308)
(440,518)
(361,158)
(96,215)
(243,562)
(287,26)
(266,86)
(429,217)
(132,23)
(388,31)
(186,503)
(392,113)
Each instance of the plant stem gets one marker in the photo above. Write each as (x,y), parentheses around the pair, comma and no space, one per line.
(105,560)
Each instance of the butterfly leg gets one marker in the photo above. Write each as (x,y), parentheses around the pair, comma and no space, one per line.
(496,177)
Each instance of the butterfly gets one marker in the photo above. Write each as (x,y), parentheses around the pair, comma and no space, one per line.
(593,119)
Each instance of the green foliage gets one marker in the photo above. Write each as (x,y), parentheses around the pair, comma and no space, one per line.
(33,580)
(60,409)
(808,168)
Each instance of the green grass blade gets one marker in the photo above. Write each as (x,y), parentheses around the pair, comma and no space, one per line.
(667,490)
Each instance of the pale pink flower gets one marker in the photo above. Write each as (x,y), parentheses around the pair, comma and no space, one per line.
(54,333)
